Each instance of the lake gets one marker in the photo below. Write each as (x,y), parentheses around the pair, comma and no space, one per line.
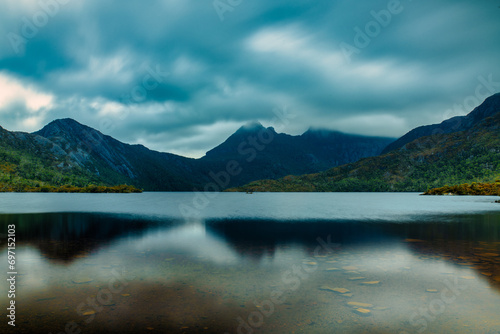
(252,263)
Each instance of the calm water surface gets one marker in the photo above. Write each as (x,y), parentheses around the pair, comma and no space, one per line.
(260,263)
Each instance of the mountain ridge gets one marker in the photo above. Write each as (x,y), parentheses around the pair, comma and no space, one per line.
(80,152)
(488,108)
(68,152)
(263,151)
(457,157)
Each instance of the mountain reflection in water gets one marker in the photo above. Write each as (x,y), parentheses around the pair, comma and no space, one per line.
(210,275)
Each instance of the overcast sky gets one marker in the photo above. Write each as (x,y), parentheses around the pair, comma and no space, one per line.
(182,75)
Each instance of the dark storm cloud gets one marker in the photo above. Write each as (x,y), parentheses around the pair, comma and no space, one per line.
(180,75)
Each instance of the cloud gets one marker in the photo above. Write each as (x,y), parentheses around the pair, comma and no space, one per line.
(372,125)
(161,74)
(191,141)
(22,106)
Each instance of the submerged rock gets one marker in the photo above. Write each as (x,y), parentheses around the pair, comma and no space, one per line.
(338,290)
(371,282)
(350,268)
(363,311)
(363,305)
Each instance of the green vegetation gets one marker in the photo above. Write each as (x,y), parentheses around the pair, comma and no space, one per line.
(71,189)
(486,189)
(29,166)
(428,162)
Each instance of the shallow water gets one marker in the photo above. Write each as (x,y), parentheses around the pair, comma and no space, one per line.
(261,263)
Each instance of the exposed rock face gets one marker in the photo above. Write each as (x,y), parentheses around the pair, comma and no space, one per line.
(112,159)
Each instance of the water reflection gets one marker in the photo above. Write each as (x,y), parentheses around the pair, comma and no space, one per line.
(67,236)
(137,274)
(64,237)
(190,238)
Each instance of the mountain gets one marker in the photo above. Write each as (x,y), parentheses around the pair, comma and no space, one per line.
(447,157)
(28,160)
(455,124)
(116,162)
(67,152)
(459,150)
(263,153)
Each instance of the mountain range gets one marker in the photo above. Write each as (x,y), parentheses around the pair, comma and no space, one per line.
(67,152)
(459,150)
